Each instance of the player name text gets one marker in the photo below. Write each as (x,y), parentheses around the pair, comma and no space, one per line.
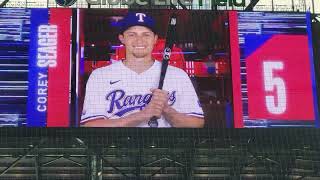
(42,92)
(47,46)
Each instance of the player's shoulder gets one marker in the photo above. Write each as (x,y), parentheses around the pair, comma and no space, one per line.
(176,72)
(107,70)
(172,70)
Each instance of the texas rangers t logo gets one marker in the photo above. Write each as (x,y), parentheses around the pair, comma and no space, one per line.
(141,16)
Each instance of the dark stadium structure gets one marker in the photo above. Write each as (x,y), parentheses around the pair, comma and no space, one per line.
(162,154)
(140,154)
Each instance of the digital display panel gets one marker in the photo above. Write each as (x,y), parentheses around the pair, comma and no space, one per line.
(121,64)
(101,68)
(275,64)
(35,65)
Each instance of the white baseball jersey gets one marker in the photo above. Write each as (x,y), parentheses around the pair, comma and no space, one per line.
(116,91)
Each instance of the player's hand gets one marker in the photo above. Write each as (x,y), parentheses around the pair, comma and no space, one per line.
(158,102)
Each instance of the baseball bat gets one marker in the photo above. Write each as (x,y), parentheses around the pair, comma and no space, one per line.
(170,38)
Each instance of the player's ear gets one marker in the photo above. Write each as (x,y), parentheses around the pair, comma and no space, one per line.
(121,38)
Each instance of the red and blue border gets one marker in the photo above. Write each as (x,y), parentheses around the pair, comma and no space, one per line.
(57,112)
(312,70)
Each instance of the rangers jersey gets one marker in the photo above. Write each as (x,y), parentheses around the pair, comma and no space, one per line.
(116,91)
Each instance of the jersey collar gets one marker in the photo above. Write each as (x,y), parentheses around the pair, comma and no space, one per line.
(151,69)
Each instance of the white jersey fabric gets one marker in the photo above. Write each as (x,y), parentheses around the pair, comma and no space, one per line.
(116,91)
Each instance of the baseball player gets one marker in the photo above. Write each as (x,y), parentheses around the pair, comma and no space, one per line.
(124,94)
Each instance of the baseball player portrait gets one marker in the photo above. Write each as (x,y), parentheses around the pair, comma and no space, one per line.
(125,93)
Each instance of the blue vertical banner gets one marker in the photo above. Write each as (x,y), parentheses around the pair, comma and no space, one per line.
(313,74)
(38,73)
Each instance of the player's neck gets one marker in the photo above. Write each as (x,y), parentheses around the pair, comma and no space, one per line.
(138,65)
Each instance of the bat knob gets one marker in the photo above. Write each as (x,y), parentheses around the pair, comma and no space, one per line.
(153,122)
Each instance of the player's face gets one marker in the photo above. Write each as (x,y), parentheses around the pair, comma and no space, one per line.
(139,41)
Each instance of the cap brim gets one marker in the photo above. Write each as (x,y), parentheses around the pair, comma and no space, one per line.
(122,29)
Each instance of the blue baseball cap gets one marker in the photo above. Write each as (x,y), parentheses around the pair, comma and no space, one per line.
(136,19)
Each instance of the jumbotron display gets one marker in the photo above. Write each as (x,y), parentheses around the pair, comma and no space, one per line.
(124,52)
(102,68)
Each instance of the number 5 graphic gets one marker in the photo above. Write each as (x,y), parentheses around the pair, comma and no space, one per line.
(271,82)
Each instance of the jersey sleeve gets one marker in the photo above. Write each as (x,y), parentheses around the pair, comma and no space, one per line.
(187,99)
(93,106)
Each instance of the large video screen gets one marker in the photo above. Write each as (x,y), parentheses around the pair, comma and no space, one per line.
(271,57)
(102,68)
(123,53)
(34,67)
